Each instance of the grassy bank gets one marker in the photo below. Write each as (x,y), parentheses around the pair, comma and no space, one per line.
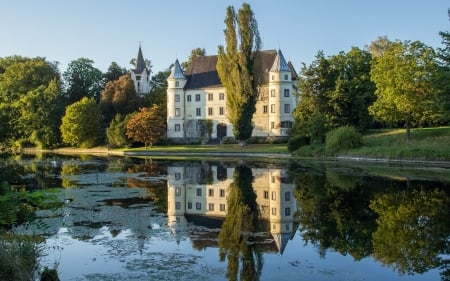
(430,144)
(223,148)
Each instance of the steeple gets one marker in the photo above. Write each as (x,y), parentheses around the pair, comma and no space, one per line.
(176,71)
(140,62)
(280,63)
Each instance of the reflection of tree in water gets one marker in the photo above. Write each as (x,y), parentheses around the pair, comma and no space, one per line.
(413,230)
(235,236)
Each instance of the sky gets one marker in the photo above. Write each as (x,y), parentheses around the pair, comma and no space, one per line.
(108,31)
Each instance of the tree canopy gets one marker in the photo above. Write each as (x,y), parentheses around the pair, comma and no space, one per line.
(235,68)
(197,52)
(147,126)
(82,79)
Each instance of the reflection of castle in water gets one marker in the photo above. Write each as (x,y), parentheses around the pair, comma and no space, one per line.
(200,192)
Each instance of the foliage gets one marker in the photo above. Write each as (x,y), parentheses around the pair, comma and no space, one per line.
(296,142)
(158,94)
(114,72)
(82,79)
(206,127)
(19,259)
(342,138)
(317,128)
(338,88)
(116,133)
(404,89)
(411,235)
(443,76)
(147,126)
(235,68)
(81,124)
(119,97)
(197,52)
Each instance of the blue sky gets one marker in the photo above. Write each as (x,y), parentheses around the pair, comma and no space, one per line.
(110,30)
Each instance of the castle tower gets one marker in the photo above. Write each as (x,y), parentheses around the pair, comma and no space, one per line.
(176,102)
(141,75)
(281,97)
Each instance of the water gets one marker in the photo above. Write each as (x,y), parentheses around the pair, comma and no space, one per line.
(143,219)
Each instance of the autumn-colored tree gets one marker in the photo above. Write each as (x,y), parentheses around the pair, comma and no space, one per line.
(119,97)
(147,126)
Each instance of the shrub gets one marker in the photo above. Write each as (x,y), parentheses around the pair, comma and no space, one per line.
(296,142)
(342,138)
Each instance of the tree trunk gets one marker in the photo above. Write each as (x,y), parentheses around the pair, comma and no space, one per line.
(408,130)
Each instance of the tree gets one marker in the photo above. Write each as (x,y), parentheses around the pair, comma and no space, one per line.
(235,68)
(443,75)
(158,94)
(119,97)
(114,72)
(81,124)
(147,126)
(404,87)
(82,79)
(198,52)
(116,132)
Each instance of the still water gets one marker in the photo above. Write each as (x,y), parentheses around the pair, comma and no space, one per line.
(144,219)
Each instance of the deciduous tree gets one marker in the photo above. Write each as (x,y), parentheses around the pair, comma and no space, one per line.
(197,52)
(147,126)
(235,68)
(82,79)
(114,72)
(81,124)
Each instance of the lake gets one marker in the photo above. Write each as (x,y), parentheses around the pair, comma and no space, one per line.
(238,219)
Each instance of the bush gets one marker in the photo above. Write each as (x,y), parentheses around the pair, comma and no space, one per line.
(342,138)
(296,142)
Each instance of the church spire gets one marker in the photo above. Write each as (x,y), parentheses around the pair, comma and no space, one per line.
(280,63)
(140,62)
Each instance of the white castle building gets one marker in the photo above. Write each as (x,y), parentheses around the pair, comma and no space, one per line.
(141,75)
(197,94)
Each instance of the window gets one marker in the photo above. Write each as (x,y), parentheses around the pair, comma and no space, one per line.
(222,207)
(177,127)
(221,96)
(177,176)
(211,206)
(272,179)
(199,192)
(287,108)
(177,98)
(266,194)
(222,193)
(286,92)
(177,205)
(210,96)
(177,84)
(274,195)
(177,112)
(189,205)
(287,227)
(197,97)
(221,110)
(210,192)
(210,111)
(286,77)
(286,124)
(177,191)
(287,196)
(198,206)
(272,108)
(272,125)
(272,93)
(273,77)
(287,211)
(265,109)
(188,98)
(139,85)
(274,211)
(198,111)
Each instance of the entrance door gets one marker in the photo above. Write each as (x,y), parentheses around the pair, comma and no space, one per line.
(221,130)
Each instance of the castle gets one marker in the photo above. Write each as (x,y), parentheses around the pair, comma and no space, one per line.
(197,95)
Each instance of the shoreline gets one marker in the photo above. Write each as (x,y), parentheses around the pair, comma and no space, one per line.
(107,152)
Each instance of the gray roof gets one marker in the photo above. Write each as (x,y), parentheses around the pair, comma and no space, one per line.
(280,63)
(140,62)
(202,72)
(176,72)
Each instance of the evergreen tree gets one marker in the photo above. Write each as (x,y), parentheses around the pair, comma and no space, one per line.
(235,67)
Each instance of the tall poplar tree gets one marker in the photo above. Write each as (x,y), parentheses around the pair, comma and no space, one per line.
(235,67)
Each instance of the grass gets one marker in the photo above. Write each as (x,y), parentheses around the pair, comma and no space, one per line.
(223,148)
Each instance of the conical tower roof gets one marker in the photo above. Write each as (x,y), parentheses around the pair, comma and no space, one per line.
(176,71)
(140,62)
(280,63)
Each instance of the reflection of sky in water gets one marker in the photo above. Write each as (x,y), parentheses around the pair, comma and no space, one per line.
(105,257)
